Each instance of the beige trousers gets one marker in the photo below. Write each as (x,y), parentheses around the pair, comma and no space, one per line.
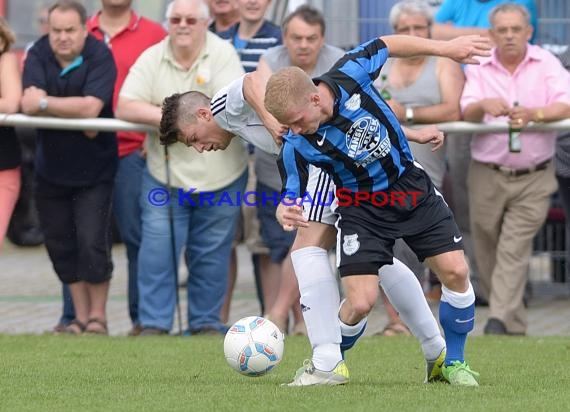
(506,213)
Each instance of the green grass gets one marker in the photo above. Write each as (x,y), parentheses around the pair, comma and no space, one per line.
(66,373)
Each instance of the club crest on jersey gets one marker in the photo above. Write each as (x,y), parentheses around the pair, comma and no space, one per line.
(353,103)
(350,244)
(367,140)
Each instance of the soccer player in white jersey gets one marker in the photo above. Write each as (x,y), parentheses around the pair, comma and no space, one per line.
(209,124)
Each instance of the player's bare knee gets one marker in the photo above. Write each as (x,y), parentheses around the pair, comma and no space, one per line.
(456,277)
(362,305)
(316,234)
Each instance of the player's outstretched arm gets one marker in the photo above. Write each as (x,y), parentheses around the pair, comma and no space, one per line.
(254,93)
(462,49)
(427,134)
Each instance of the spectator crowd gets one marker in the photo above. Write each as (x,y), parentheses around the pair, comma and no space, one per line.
(119,64)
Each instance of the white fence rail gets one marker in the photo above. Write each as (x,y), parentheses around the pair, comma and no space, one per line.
(103,125)
(115,124)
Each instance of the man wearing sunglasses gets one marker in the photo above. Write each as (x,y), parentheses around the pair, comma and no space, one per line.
(189,58)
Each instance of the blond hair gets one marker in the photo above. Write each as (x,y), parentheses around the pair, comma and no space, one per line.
(7,35)
(286,88)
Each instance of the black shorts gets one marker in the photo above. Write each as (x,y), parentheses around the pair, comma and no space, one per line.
(76,223)
(415,211)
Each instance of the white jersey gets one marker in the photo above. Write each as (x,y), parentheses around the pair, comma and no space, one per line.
(232,113)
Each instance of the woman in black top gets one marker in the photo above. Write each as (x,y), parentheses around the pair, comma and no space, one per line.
(10,94)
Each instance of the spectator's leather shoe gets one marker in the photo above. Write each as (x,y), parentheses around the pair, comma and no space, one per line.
(495,327)
(153,332)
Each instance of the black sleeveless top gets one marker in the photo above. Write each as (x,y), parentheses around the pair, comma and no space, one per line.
(9,149)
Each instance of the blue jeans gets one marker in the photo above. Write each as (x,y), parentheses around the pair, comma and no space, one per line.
(68,312)
(126,207)
(207,232)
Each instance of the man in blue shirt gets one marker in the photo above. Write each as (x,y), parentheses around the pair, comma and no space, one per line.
(458,18)
(252,35)
(341,124)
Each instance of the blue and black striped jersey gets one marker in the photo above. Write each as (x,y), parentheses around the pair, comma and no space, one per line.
(362,147)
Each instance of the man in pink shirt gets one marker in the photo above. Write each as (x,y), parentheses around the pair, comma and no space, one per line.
(509,186)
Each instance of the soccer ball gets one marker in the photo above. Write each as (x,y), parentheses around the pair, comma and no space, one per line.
(253,346)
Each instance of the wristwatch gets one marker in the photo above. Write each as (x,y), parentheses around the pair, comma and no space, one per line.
(43,104)
(409,114)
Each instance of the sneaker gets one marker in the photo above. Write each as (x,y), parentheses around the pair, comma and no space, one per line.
(434,368)
(460,374)
(308,375)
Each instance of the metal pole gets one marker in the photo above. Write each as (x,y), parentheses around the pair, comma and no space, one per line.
(173,241)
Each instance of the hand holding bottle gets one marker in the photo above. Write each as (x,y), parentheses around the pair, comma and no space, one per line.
(519,116)
(515,126)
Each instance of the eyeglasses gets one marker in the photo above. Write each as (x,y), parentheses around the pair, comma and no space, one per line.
(190,21)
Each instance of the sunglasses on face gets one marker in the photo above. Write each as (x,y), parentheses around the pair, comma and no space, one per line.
(190,21)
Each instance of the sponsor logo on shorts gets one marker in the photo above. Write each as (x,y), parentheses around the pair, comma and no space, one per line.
(350,244)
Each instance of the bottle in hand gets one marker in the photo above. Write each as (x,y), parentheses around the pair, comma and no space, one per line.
(515,144)
(384,92)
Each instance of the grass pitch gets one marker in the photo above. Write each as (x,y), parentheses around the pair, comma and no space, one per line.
(68,373)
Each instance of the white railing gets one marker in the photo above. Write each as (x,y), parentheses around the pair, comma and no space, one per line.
(103,125)
(115,124)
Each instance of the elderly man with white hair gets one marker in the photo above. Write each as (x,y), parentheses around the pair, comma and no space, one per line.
(189,58)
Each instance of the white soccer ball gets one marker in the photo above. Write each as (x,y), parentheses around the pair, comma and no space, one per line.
(253,346)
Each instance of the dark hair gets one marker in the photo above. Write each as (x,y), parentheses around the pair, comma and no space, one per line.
(70,5)
(169,121)
(308,14)
(177,107)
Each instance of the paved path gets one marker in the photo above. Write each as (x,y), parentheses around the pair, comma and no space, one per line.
(30,297)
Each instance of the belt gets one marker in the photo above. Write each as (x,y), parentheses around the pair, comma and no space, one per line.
(518,172)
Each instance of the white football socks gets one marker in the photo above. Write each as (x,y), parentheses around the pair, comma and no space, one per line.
(319,302)
(406,295)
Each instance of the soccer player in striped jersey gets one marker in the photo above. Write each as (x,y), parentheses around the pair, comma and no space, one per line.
(340,123)
(195,120)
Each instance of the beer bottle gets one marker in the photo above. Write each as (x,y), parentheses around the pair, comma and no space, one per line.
(515,145)
(384,92)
